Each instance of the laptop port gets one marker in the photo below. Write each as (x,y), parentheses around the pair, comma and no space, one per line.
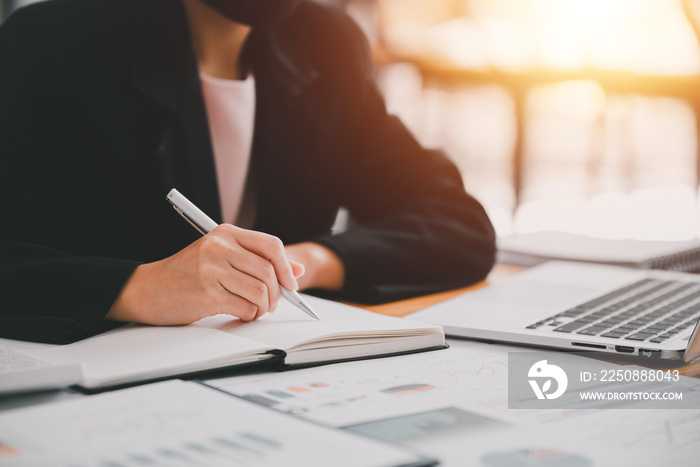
(624,349)
(590,346)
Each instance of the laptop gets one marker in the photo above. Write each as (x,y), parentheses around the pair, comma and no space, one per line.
(580,306)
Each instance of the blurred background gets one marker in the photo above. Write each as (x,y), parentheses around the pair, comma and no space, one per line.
(574,115)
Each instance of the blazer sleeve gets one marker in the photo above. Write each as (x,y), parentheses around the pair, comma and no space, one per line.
(415,230)
(46,295)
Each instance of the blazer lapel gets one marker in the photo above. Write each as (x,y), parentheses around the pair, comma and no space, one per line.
(282,78)
(163,68)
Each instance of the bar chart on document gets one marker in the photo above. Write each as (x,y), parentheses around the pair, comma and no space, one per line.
(468,376)
(434,401)
(367,391)
(178,424)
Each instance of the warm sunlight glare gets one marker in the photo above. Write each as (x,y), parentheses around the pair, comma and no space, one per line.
(643,36)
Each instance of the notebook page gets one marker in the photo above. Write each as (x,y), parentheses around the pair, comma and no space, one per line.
(148,350)
(290,327)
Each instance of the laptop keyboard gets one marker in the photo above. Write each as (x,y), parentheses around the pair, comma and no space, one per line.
(649,310)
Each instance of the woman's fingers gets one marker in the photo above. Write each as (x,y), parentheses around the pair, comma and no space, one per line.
(270,248)
(259,272)
(298,269)
(252,290)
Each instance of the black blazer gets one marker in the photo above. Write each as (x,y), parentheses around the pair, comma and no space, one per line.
(101,114)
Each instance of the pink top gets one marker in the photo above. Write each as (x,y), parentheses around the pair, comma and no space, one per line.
(230,108)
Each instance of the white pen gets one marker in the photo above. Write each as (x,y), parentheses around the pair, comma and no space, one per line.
(205,224)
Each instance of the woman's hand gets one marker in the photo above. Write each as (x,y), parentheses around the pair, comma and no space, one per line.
(228,271)
(323,268)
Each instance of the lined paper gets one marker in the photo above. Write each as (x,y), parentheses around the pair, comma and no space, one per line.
(289,327)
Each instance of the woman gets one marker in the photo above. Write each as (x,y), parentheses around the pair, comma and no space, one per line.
(263,113)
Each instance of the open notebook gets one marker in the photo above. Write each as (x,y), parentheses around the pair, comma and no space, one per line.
(136,353)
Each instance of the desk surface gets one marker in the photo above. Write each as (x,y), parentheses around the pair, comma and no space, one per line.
(406,307)
(500,271)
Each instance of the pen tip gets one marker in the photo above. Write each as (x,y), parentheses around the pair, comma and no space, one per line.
(308,310)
